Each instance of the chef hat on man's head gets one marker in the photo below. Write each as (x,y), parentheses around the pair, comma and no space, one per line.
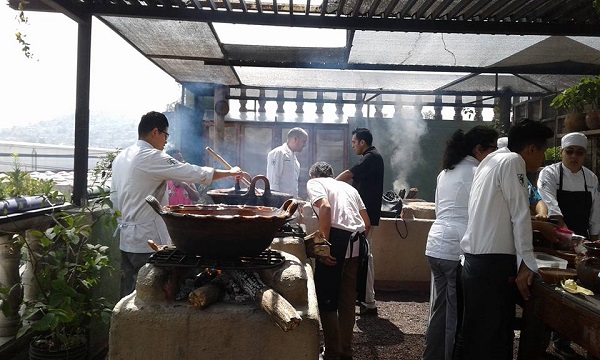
(502,142)
(574,139)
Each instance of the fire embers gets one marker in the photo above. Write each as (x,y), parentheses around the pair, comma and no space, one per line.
(205,287)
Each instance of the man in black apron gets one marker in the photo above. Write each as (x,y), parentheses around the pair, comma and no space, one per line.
(570,189)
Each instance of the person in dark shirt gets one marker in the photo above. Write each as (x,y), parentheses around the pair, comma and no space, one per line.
(367,178)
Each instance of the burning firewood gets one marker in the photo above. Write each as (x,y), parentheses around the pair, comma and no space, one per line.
(209,293)
(280,310)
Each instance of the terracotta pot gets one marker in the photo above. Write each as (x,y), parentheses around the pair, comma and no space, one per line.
(223,231)
(592,119)
(588,270)
(575,122)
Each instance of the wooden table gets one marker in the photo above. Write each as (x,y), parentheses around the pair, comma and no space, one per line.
(577,317)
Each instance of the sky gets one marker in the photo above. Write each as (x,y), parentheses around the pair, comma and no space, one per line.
(31,90)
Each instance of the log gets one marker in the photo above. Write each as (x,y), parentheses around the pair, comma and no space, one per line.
(278,308)
(209,293)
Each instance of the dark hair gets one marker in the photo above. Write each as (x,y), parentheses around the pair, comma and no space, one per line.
(363,134)
(152,120)
(321,169)
(528,132)
(461,144)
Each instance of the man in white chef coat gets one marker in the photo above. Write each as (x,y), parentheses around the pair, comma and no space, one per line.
(498,233)
(571,192)
(283,168)
(141,170)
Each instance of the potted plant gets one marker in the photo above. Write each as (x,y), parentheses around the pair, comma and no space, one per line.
(590,89)
(66,271)
(571,100)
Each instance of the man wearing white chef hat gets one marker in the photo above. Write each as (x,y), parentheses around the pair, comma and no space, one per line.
(571,192)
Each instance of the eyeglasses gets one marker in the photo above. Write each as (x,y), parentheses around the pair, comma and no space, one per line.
(578,152)
(166,134)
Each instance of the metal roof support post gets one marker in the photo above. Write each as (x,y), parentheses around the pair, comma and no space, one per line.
(82,110)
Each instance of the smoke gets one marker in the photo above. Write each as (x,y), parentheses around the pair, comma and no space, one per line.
(402,141)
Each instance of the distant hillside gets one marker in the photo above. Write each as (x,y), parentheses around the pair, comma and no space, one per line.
(106,131)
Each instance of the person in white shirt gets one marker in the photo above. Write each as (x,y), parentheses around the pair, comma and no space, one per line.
(463,153)
(571,192)
(141,170)
(499,232)
(283,168)
(343,219)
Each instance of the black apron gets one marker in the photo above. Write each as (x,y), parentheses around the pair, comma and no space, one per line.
(576,207)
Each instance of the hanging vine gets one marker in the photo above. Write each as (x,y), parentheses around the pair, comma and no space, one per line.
(21,38)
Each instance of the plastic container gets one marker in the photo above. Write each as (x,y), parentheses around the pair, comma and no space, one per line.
(547,260)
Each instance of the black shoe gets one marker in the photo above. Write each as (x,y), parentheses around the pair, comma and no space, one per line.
(565,351)
(365,311)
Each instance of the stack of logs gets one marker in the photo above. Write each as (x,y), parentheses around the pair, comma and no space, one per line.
(280,310)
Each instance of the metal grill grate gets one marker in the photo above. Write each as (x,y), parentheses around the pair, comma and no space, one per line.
(171,257)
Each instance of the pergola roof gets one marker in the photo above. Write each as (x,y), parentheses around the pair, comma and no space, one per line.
(392,46)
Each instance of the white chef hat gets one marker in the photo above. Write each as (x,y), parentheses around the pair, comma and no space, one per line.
(502,142)
(574,139)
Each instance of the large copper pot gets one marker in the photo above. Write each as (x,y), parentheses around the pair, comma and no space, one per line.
(222,231)
(250,195)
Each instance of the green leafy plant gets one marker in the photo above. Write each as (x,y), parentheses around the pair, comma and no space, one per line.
(18,183)
(553,153)
(66,270)
(587,91)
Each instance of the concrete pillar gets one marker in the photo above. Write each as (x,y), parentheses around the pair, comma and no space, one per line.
(319,103)
(220,94)
(280,102)
(339,104)
(359,105)
(10,257)
(458,108)
(299,102)
(262,101)
(504,107)
(438,108)
(378,107)
(398,107)
(243,101)
(478,109)
(418,107)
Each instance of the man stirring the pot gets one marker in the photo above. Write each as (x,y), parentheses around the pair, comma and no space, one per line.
(571,192)
(283,168)
(138,171)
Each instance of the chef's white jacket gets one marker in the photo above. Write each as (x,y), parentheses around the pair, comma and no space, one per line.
(499,217)
(138,171)
(283,170)
(548,184)
(451,210)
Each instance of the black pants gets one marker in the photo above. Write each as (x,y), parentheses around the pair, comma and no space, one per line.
(489,307)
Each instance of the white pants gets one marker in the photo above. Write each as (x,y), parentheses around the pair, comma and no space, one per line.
(370,291)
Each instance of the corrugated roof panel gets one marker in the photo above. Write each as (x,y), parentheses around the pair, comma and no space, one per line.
(401,48)
(343,79)
(168,37)
(196,71)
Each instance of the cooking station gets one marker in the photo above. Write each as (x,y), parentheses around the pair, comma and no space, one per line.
(151,324)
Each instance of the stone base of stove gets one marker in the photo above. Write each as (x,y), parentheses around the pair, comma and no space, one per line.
(145,326)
